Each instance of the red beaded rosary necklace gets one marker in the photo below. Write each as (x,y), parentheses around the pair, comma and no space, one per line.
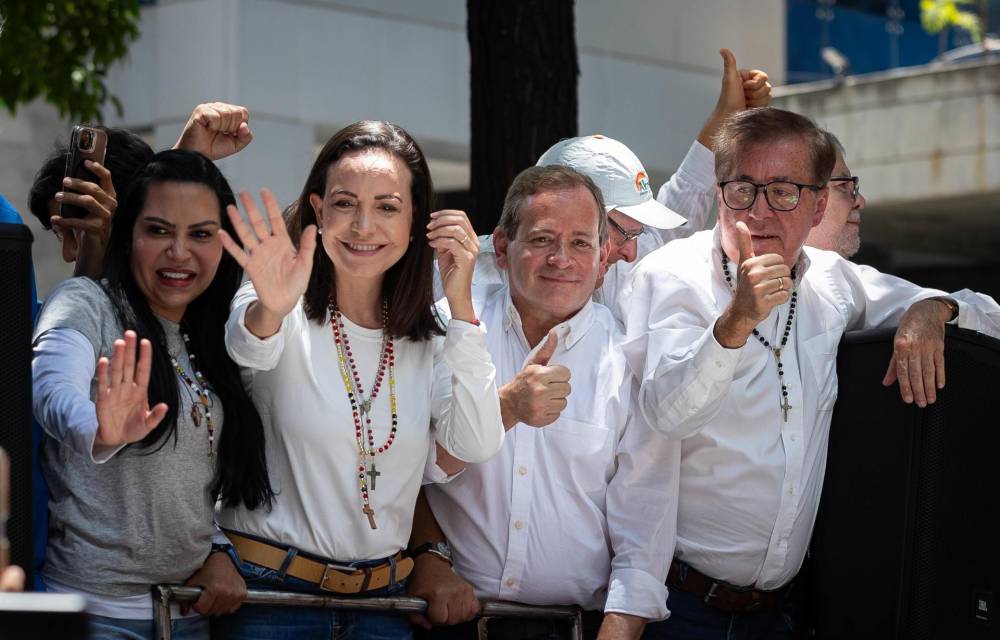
(361,407)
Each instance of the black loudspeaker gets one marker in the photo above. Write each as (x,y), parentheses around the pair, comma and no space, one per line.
(15,384)
(905,543)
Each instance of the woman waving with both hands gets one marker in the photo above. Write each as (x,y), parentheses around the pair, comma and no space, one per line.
(356,377)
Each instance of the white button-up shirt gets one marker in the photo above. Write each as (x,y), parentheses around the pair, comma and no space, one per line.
(445,391)
(578,512)
(750,482)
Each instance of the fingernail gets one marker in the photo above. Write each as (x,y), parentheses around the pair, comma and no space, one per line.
(87,163)
(67,182)
(59,195)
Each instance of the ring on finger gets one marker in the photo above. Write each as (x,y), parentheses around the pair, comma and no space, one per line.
(781,284)
(464,239)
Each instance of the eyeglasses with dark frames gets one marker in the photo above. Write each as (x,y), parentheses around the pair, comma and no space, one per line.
(781,195)
(855,189)
(626,235)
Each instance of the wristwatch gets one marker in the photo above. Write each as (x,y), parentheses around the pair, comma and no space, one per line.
(438,549)
(948,302)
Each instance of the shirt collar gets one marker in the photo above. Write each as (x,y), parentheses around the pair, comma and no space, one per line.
(569,331)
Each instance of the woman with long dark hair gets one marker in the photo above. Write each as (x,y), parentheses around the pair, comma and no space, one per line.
(136,454)
(356,377)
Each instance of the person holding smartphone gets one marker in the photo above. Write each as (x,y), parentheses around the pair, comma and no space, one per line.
(147,423)
(75,192)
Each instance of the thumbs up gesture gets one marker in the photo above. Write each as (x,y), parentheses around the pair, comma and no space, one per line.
(762,283)
(741,89)
(537,394)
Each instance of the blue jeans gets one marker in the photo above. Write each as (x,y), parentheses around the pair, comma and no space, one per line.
(264,622)
(103,628)
(692,619)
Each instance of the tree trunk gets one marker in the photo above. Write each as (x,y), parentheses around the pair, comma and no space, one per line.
(524,74)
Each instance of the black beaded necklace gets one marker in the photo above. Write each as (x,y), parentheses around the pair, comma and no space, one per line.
(776,351)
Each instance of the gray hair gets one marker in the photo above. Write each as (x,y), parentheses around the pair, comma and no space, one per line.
(551,177)
(836,143)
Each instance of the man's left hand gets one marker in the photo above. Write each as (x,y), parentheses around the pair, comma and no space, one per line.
(918,352)
(741,89)
(621,626)
(450,599)
(216,130)
(223,589)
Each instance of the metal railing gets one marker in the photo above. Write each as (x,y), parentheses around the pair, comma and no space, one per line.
(164,594)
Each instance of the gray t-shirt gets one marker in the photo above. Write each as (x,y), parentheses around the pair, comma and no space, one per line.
(141,517)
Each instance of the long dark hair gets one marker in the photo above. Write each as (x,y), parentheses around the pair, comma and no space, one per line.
(241,467)
(408,285)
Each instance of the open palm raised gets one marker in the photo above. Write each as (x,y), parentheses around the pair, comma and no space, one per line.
(122,402)
(279,271)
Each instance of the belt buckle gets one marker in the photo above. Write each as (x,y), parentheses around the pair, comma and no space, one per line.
(711,593)
(334,567)
(754,604)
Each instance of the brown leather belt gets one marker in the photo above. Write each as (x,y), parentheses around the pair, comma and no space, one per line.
(327,576)
(722,596)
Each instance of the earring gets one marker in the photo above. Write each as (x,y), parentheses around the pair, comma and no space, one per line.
(411,239)
(319,230)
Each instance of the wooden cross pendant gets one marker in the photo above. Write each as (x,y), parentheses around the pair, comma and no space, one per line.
(368,511)
(785,407)
(372,474)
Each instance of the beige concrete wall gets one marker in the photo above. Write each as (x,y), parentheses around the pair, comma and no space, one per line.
(926,143)
(918,134)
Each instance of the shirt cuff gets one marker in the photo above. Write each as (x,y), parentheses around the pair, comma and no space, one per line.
(698,166)
(465,347)
(715,362)
(637,593)
(433,474)
(102,453)
(247,349)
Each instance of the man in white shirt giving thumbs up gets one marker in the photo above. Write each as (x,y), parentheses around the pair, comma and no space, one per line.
(576,508)
(733,334)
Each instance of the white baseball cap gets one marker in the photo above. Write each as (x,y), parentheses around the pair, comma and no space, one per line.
(619,175)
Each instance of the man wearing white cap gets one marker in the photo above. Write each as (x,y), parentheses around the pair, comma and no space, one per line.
(639,222)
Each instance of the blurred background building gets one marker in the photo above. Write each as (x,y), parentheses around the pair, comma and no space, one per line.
(925,140)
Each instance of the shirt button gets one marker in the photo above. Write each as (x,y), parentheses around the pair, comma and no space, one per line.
(518,525)
(718,364)
(792,437)
(791,491)
(509,582)
(522,470)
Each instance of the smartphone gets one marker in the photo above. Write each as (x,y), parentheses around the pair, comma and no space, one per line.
(4,508)
(86,143)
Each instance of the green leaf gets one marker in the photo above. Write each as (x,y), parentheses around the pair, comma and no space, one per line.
(61,50)
(938,15)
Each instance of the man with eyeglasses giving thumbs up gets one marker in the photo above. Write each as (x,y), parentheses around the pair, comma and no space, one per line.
(733,334)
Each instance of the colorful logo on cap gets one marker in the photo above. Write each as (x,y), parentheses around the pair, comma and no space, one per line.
(642,184)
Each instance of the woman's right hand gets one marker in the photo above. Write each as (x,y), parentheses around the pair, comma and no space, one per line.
(279,271)
(123,413)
